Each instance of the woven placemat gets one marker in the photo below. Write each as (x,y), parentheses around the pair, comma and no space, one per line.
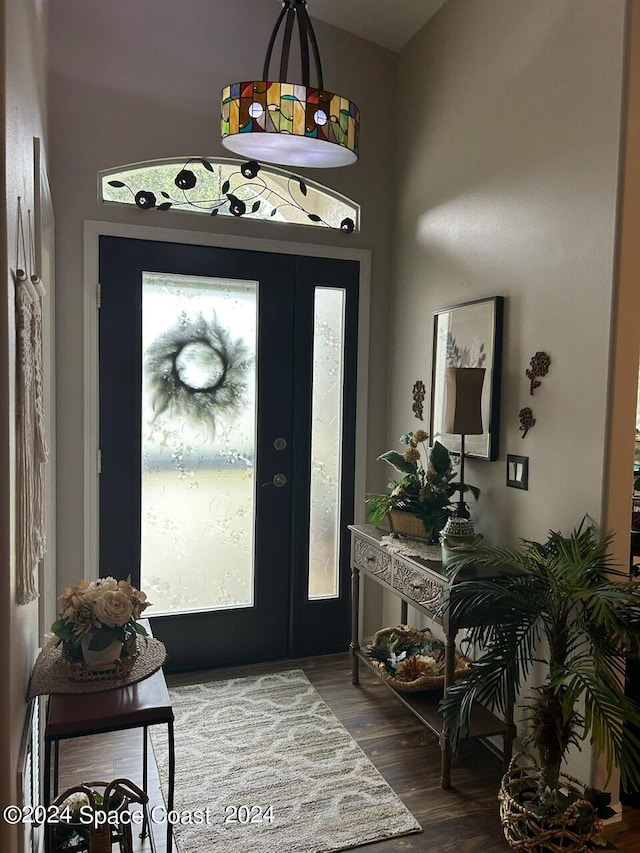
(50,675)
(412,548)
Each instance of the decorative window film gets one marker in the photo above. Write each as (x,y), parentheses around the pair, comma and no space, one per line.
(228,187)
(326,442)
(198,441)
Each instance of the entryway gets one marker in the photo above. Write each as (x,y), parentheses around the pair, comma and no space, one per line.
(227,444)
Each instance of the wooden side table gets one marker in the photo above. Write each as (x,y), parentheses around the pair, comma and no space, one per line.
(424,585)
(140,705)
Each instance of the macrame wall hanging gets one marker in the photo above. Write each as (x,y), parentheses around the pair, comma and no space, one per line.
(31,445)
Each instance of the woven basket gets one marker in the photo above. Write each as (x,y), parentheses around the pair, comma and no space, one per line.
(117,795)
(528,833)
(80,671)
(424,682)
(407,524)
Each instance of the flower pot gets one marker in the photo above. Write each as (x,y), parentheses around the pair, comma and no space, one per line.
(407,524)
(528,833)
(103,658)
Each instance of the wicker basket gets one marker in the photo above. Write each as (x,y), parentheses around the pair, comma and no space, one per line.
(407,524)
(424,682)
(78,670)
(528,833)
(97,834)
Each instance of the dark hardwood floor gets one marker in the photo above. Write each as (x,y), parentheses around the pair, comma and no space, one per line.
(463,819)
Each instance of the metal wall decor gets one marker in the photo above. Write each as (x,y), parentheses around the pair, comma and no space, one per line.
(197,186)
(418,399)
(538,366)
(526,420)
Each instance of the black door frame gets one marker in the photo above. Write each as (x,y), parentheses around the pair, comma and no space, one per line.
(306,633)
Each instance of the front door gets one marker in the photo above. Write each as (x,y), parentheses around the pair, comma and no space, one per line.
(227,419)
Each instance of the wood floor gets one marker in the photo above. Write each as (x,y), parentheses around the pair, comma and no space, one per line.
(463,819)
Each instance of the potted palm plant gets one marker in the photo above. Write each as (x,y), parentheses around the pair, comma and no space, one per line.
(419,503)
(566,606)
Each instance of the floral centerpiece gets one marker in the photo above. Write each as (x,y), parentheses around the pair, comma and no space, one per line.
(410,659)
(425,489)
(406,652)
(94,614)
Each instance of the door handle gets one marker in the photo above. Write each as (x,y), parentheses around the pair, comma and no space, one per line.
(279,481)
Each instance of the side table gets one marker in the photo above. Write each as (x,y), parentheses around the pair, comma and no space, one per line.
(424,585)
(140,705)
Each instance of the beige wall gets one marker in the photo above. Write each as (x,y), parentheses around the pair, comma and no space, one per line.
(137,81)
(24,118)
(507,185)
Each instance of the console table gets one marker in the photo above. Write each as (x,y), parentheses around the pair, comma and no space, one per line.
(424,585)
(140,705)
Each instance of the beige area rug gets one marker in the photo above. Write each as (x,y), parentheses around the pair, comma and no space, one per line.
(248,744)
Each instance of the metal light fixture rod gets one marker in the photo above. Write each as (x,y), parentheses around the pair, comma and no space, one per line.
(292,9)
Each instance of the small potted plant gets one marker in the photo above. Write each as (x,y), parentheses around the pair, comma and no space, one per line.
(566,606)
(418,504)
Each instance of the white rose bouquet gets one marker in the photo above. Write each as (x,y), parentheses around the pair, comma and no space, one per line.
(105,610)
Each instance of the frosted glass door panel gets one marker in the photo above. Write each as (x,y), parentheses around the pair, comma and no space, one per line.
(326,442)
(198,442)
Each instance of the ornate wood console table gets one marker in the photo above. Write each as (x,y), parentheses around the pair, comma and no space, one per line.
(424,585)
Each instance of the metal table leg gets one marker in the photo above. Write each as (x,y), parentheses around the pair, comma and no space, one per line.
(170,792)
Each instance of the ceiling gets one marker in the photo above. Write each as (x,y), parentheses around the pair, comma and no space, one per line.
(390,23)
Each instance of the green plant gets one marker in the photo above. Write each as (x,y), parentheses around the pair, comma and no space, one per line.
(568,599)
(425,490)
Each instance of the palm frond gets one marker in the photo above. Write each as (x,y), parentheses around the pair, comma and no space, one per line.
(569,589)
(493,599)
(607,715)
(495,678)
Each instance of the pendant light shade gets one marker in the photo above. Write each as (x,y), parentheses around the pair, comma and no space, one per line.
(292,124)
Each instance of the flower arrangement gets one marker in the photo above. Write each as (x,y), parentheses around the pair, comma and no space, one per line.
(406,653)
(425,490)
(412,660)
(101,611)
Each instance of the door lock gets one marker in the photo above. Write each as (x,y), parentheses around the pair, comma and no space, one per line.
(279,480)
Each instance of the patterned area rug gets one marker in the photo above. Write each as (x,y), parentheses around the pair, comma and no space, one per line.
(276,770)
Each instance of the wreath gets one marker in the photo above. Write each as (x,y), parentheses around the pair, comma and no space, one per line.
(197,370)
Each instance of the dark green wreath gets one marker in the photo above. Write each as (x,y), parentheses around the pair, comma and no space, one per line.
(167,364)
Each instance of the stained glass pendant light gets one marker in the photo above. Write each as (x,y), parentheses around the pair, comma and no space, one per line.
(290,124)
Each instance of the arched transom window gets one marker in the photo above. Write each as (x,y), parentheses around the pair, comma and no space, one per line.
(228,187)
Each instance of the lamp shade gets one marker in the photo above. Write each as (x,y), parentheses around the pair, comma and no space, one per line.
(294,124)
(290,124)
(463,408)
